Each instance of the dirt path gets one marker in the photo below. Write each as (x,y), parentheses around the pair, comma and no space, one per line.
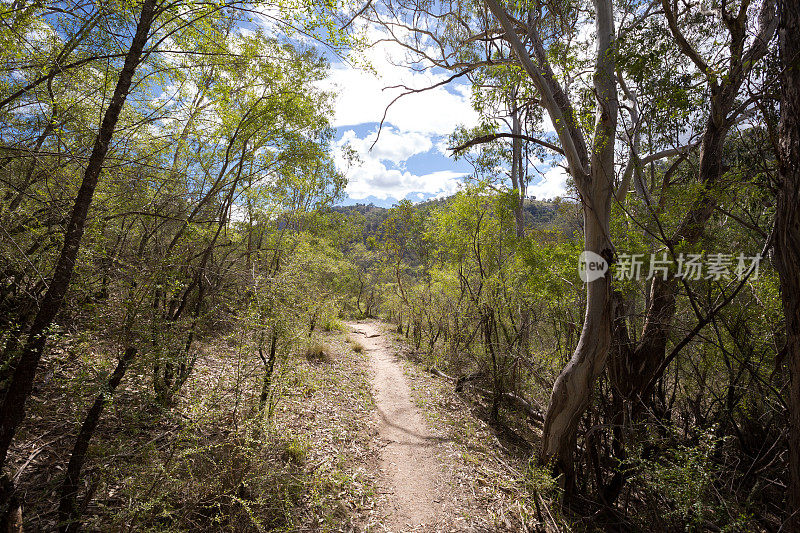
(411,474)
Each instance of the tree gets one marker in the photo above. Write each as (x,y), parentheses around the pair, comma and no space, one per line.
(12,410)
(593,173)
(13,407)
(787,232)
(642,365)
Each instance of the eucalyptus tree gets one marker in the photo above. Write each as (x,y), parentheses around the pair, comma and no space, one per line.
(593,173)
(27,361)
(455,35)
(706,76)
(723,75)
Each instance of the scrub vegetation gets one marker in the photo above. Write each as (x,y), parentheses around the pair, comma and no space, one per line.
(181,287)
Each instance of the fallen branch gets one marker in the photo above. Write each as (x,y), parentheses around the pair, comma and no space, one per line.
(513,399)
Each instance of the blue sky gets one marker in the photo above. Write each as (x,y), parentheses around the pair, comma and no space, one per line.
(410,159)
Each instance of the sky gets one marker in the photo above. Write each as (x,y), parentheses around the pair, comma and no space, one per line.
(410,158)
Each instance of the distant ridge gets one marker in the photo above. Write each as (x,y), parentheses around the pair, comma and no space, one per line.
(538,213)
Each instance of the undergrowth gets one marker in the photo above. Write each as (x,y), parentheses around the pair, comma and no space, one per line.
(215,462)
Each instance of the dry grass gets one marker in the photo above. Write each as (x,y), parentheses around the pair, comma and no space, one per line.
(318,352)
(355,344)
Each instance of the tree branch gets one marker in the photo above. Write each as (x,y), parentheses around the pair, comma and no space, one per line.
(544,86)
(494,136)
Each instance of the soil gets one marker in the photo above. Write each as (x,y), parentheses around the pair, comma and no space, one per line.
(410,472)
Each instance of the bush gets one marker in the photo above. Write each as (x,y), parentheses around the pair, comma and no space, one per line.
(318,352)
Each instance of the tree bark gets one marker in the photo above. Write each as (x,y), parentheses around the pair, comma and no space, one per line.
(573,387)
(787,232)
(12,411)
(68,512)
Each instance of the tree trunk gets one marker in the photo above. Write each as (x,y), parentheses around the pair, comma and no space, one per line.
(68,512)
(635,375)
(517,176)
(269,368)
(787,232)
(12,411)
(573,387)
(10,507)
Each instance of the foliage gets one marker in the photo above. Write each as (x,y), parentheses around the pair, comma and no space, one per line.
(214,223)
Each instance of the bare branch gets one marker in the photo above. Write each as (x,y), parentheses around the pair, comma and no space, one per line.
(494,136)
(414,91)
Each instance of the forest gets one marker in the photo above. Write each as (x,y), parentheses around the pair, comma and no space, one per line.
(200,330)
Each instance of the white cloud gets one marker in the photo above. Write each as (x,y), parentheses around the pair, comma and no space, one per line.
(378,181)
(382,173)
(546,124)
(552,184)
(392,145)
(363,96)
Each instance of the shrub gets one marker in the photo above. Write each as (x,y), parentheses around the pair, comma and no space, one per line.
(318,352)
